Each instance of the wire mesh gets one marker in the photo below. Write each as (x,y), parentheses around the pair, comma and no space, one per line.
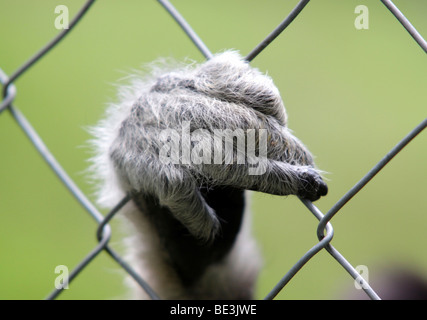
(324,230)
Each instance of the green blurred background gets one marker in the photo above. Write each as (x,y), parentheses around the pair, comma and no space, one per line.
(350,94)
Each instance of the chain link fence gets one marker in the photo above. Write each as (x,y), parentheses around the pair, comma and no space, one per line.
(324,230)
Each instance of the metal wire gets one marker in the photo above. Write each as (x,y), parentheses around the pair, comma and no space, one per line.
(9,93)
(276,32)
(187,28)
(324,229)
(405,22)
(377,168)
(48,47)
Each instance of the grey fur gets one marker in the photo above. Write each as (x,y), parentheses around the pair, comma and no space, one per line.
(223,93)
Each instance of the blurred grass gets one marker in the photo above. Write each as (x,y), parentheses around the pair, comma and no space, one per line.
(350,95)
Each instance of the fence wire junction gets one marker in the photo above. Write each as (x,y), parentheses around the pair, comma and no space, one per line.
(324,231)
